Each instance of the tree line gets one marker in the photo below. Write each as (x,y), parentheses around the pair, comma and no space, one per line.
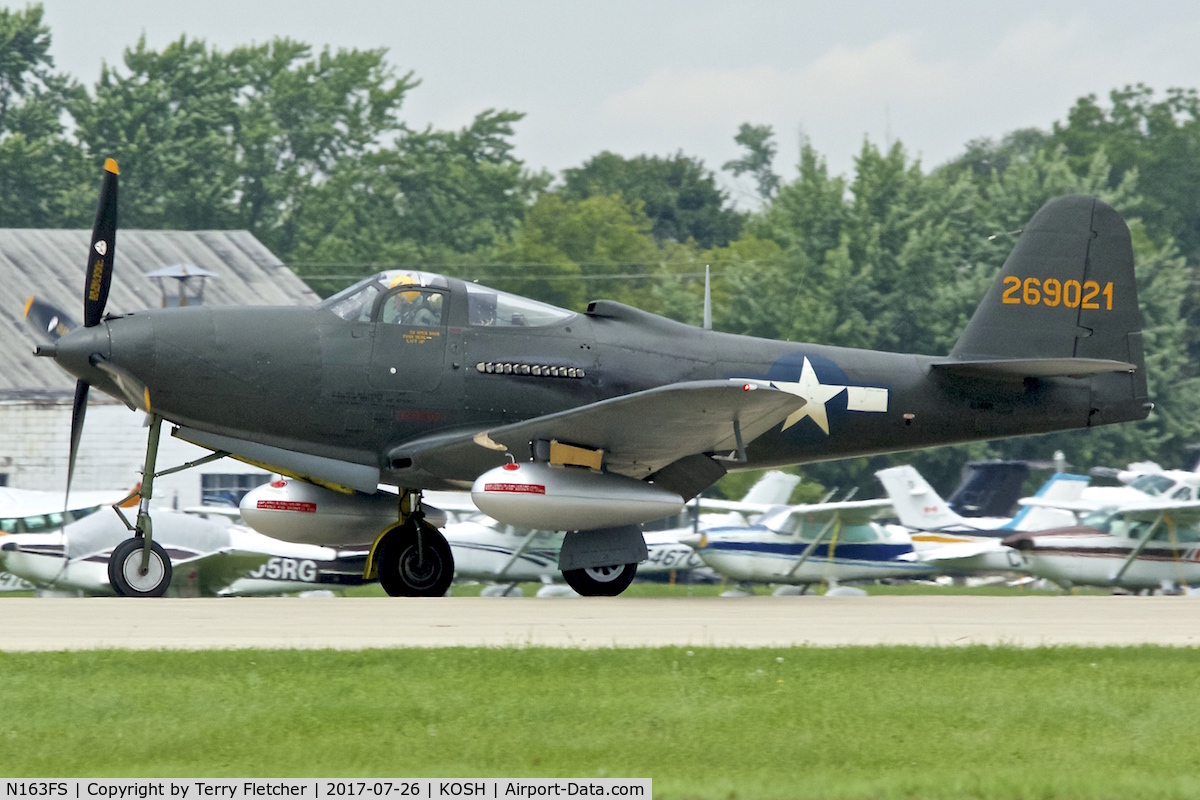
(309,150)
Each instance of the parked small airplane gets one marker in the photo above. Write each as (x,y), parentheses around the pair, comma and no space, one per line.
(1142,480)
(592,423)
(807,544)
(31,511)
(1145,543)
(49,549)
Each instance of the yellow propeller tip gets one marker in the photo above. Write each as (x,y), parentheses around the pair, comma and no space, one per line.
(28,305)
(146,398)
(110,165)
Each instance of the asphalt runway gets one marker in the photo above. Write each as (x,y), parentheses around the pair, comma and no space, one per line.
(32,624)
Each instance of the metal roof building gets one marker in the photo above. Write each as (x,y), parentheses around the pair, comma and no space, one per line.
(35,394)
(49,264)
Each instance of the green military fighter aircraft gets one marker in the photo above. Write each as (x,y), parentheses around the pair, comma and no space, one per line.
(589,423)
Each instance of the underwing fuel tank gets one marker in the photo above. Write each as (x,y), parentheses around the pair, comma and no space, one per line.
(551,498)
(296,511)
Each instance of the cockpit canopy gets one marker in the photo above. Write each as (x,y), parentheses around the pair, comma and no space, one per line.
(1160,485)
(1113,522)
(411,297)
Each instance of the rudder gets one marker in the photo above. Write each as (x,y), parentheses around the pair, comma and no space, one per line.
(1065,303)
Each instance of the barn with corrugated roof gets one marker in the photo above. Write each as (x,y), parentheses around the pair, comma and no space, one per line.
(210,267)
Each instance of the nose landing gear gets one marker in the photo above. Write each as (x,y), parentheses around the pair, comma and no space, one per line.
(139,567)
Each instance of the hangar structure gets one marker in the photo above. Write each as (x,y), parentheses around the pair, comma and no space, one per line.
(213,267)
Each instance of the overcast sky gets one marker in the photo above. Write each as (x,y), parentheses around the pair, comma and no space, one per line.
(635,76)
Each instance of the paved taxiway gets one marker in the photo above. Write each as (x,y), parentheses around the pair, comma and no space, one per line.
(352,623)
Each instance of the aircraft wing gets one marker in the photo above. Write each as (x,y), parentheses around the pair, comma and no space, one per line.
(711,503)
(214,570)
(1181,511)
(640,433)
(852,512)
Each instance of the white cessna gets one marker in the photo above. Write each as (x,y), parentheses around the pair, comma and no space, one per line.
(1146,542)
(52,550)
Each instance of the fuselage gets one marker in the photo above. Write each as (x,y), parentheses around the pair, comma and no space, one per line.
(1089,556)
(761,554)
(356,388)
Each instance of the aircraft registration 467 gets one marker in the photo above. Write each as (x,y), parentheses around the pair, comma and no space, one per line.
(589,423)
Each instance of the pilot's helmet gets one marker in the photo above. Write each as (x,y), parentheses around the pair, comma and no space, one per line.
(405,280)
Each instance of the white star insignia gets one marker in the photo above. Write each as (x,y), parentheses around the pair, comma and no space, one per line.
(815,395)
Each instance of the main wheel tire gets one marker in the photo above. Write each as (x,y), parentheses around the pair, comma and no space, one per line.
(601,581)
(124,570)
(408,571)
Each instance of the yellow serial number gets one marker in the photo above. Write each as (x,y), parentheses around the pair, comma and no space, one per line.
(1053,292)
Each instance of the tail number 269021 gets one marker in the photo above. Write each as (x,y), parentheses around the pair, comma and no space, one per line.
(1053,292)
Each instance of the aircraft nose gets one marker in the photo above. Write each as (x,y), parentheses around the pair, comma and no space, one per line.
(694,540)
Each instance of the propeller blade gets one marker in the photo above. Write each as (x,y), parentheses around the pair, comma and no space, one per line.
(50,322)
(102,250)
(78,412)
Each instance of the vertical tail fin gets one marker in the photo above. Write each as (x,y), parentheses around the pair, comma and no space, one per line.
(989,488)
(773,489)
(1065,303)
(1063,487)
(917,505)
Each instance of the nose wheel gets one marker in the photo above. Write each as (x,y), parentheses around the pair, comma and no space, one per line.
(140,567)
(129,578)
(414,560)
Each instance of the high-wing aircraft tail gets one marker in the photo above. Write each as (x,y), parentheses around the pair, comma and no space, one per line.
(1064,304)
(917,504)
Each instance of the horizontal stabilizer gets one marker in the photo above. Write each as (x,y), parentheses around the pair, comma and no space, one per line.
(955,552)
(1021,368)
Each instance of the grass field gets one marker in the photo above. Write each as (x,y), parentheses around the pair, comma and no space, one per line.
(703,723)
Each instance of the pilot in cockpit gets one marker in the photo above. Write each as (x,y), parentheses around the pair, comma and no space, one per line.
(416,308)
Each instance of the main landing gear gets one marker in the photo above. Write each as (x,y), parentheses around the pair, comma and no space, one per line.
(412,558)
(601,581)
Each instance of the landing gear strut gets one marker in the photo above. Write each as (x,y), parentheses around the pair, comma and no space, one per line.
(139,567)
(412,557)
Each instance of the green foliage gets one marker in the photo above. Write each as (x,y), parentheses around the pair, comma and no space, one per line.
(603,236)
(1158,140)
(760,152)
(678,194)
(41,172)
